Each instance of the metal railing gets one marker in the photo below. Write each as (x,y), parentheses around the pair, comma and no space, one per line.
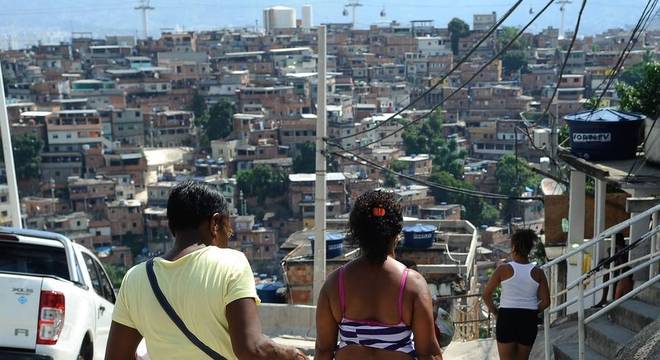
(470,316)
(649,261)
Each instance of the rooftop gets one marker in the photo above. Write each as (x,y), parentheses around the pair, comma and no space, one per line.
(331,176)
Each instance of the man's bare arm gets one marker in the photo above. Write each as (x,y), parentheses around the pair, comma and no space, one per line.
(122,342)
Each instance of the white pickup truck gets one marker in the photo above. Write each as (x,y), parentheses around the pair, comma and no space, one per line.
(56,299)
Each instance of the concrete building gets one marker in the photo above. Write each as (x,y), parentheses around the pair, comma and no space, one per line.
(416,164)
(279,17)
(169,128)
(307,20)
(128,127)
(433,46)
(483,22)
(126,218)
(301,195)
(91,195)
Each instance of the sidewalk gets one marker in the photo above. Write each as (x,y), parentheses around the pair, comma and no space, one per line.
(482,349)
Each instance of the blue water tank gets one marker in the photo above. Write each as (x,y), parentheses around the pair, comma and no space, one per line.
(268,292)
(604,134)
(334,244)
(418,236)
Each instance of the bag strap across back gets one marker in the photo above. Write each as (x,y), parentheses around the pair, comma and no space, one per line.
(169,310)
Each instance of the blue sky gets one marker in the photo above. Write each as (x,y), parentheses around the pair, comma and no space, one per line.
(52,19)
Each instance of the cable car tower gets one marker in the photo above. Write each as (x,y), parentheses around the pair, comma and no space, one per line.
(351,4)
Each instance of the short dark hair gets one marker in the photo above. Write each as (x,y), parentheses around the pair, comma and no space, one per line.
(375,222)
(191,203)
(523,241)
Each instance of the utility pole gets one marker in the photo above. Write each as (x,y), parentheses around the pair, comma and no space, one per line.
(562,9)
(144,7)
(14,205)
(320,184)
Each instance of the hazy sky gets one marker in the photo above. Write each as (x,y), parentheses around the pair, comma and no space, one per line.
(51,20)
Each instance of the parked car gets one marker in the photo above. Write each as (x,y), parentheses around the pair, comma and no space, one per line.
(56,299)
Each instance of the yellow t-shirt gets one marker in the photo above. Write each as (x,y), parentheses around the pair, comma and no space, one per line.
(198,286)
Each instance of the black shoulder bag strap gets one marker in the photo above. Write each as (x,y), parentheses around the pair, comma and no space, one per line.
(169,310)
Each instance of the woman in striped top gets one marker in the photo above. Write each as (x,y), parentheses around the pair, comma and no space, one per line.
(372,307)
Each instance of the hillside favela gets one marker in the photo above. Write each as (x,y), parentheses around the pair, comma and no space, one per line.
(330,180)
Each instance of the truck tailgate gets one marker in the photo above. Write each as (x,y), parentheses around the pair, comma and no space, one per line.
(19,307)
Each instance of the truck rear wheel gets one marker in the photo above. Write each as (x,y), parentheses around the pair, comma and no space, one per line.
(86,350)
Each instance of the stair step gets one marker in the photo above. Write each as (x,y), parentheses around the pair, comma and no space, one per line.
(650,295)
(606,337)
(569,351)
(634,314)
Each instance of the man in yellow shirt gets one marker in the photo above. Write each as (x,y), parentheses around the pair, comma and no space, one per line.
(210,288)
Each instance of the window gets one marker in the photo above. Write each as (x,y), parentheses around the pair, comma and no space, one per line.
(93,274)
(108,292)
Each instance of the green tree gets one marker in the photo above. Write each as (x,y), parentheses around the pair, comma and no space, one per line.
(427,138)
(506,34)
(390,180)
(219,123)
(513,176)
(116,274)
(198,104)
(305,160)
(262,181)
(476,210)
(398,166)
(512,61)
(457,29)
(642,96)
(27,158)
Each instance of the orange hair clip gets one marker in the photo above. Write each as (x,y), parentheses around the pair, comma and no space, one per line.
(378,212)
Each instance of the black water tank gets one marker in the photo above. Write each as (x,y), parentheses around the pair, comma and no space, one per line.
(604,134)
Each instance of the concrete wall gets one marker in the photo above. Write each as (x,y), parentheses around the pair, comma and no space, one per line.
(285,319)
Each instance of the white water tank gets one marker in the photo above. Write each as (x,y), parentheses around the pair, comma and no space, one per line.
(279,17)
(307,16)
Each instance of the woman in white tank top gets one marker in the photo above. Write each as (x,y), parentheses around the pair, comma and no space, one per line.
(524,295)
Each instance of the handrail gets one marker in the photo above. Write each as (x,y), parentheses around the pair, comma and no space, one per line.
(625,297)
(607,283)
(646,236)
(605,234)
(638,263)
(618,267)
(472,253)
(449,255)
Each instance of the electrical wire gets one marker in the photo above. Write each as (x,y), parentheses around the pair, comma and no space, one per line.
(444,77)
(563,65)
(482,68)
(473,193)
(641,26)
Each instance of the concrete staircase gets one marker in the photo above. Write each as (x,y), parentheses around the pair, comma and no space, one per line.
(607,336)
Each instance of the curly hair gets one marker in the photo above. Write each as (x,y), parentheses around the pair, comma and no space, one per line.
(374,223)
(190,203)
(523,241)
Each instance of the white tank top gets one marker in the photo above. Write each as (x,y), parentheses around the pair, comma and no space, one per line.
(520,291)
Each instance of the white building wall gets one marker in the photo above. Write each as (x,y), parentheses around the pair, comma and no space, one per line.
(307,16)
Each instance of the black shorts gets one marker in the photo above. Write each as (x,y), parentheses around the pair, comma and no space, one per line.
(516,325)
